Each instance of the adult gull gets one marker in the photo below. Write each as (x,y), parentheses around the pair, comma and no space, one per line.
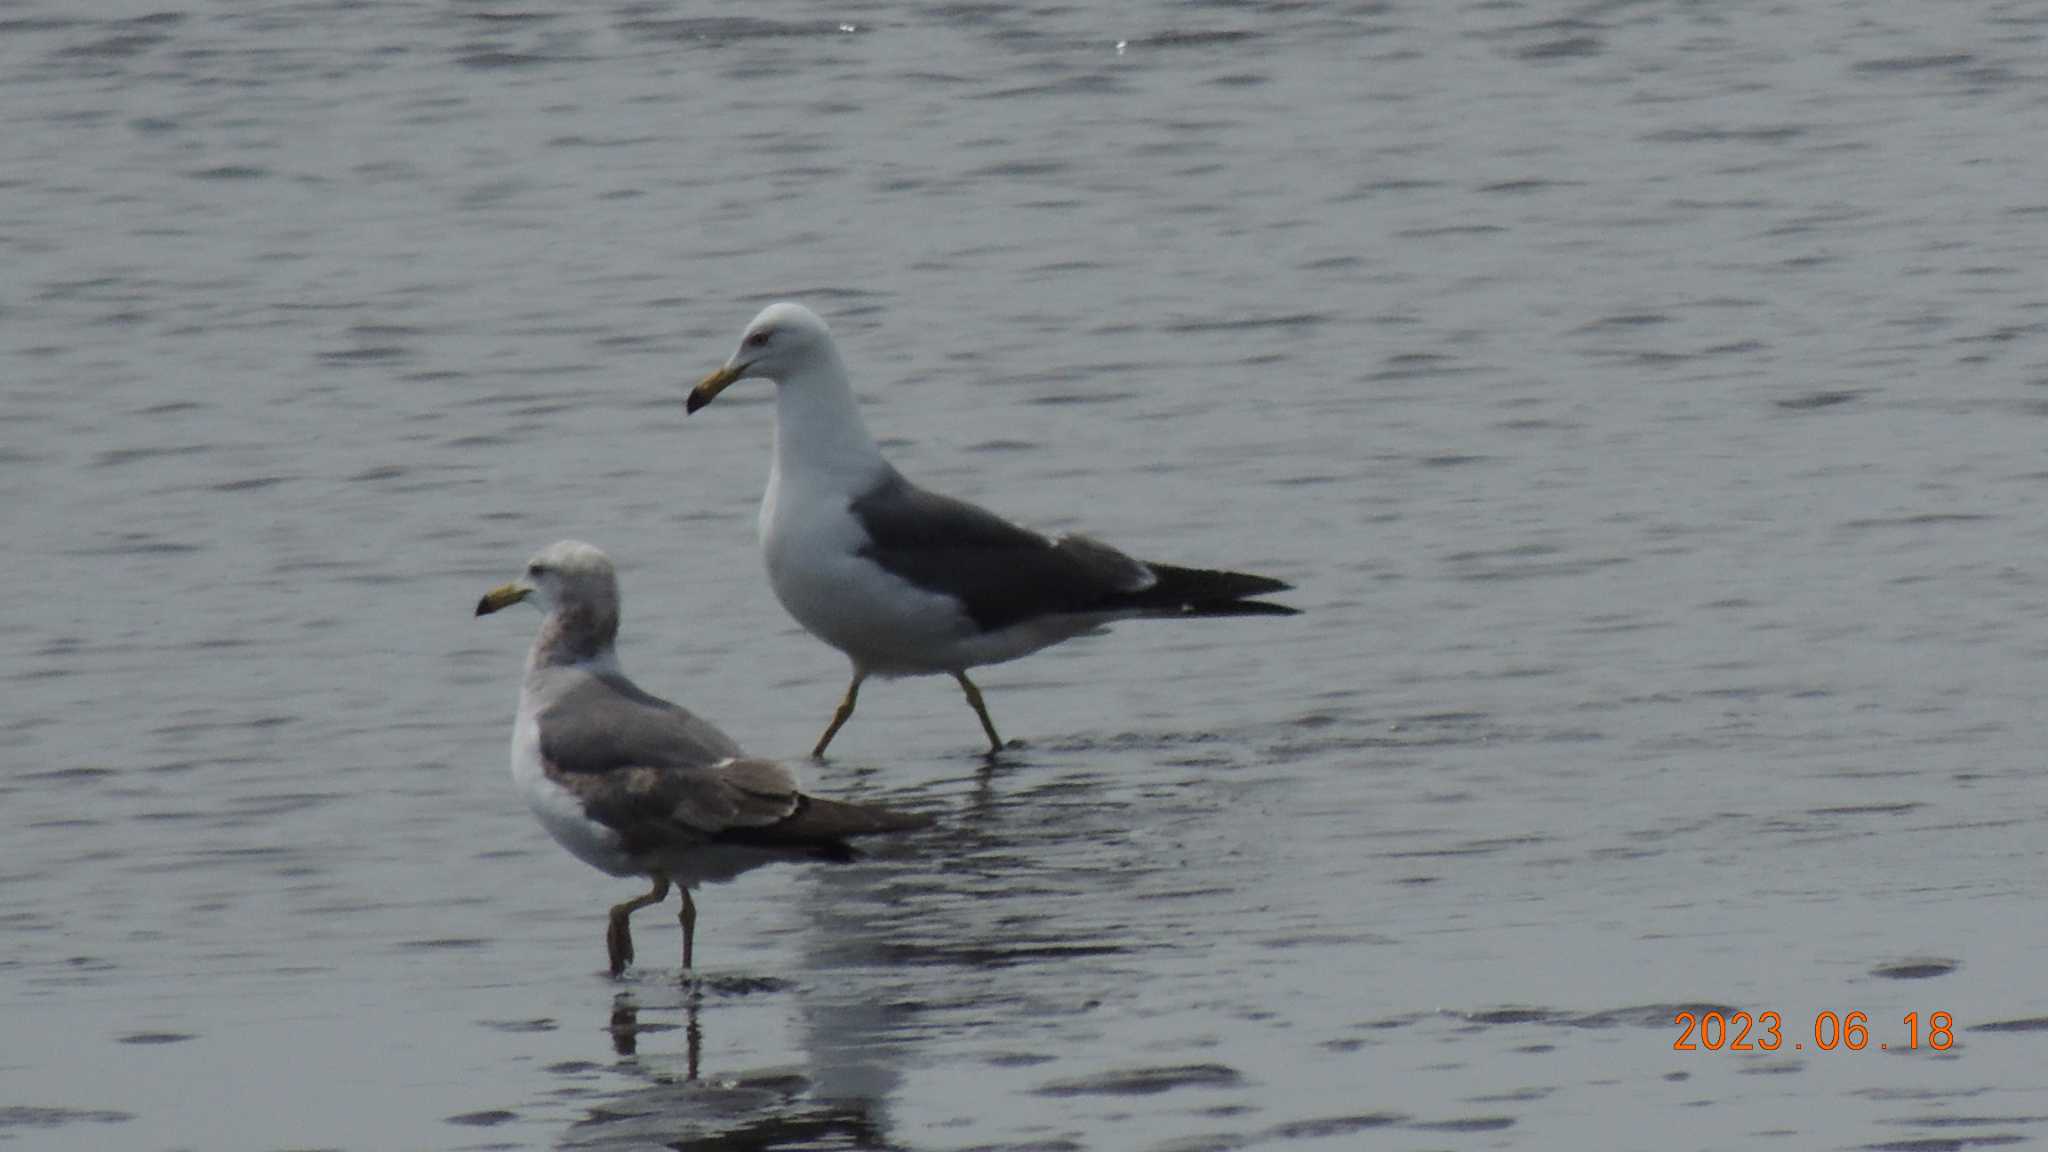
(634,785)
(907,582)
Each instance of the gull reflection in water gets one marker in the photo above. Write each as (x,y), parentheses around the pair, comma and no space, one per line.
(673,1107)
(836,1093)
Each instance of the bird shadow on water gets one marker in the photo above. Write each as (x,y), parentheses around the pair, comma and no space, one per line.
(671,1102)
(993,917)
(673,1084)
(892,950)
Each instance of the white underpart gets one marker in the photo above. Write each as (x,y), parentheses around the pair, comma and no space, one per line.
(812,543)
(825,460)
(558,811)
(1026,637)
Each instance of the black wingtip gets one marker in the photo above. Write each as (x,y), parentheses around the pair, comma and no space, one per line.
(820,828)
(870,821)
(1268,608)
(1238,608)
(1178,591)
(1262,586)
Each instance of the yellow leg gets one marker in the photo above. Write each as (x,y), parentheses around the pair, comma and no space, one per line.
(619,939)
(689,919)
(841,716)
(995,742)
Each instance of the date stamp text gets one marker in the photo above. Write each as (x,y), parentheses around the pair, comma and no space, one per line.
(1831,1031)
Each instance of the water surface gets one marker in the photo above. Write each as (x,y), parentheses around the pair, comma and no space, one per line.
(1646,400)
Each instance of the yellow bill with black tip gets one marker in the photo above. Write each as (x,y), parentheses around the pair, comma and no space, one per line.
(501,597)
(709,387)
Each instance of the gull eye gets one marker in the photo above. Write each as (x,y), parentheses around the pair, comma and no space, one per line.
(756,339)
(535,570)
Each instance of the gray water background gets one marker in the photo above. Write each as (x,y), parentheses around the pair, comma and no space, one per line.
(1646,398)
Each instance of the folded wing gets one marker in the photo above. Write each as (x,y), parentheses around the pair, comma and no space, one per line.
(664,779)
(1003,574)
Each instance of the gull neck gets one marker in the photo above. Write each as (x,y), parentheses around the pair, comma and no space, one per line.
(572,637)
(818,429)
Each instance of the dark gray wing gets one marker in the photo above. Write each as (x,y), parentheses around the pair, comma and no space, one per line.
(601,723)
(750,802)
(821,827)
(648,768)
(1001,574)
(654,808)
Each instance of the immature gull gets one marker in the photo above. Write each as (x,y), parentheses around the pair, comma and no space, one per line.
(635,785)
(911,583)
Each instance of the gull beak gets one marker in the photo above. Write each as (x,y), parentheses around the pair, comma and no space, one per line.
(709,387)
(501,597)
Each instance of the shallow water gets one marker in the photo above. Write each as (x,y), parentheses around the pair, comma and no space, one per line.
(1647,402)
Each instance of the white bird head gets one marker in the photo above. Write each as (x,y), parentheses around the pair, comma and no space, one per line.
(567,576)
(779,343)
